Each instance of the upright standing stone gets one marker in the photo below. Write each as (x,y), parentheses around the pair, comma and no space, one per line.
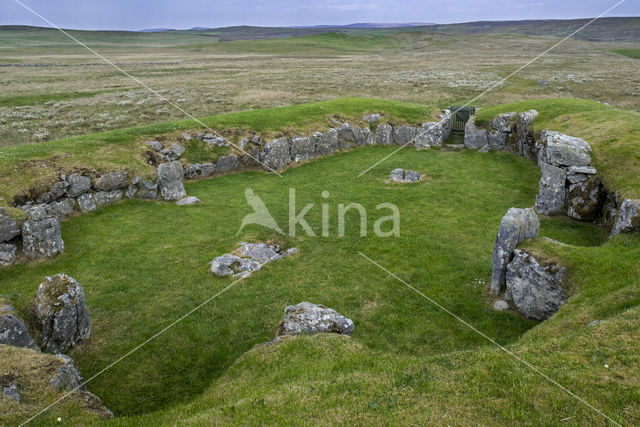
(384,135)
(8,227)
(404,135)
(628,217)
(303,149)
(552,195)
(326,143)
(474,138)
(276,154)
(41,236)
(170,177)
(515,227)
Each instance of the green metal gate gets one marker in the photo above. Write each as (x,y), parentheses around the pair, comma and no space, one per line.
(461,117)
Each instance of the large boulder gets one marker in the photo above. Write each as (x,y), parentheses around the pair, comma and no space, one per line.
(78,185)
(565,150)
(326,143)
(8,252)
(585,200)
(628,217)
(276,154)
(170,176)
(474,138)
(111,181)
(61,314)
(308,319)
(552,194)
(41,236)
(499,130)
(8,227)
(404,135)
(432,134)
(515,227)
(536,290)
(384,135)
(350,135)
(13,331)
(303,149)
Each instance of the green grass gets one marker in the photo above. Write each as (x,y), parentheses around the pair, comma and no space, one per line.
(613,133)
(16,101)
(631,53)
(20,166)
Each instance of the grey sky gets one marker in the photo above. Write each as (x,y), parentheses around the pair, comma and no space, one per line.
(139,14)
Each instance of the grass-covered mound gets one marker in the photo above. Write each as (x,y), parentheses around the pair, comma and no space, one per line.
(29,166)
(614,135)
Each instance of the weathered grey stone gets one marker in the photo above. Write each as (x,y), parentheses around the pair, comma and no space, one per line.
(275,154)
(67,376)
(86,203)
(61,314)
(371,118)
(8,253)
(565,150)
(308,319)
(585,200)
(208,169)
(170,177)
(177,151)
(401,175)
(8,227)
(536,290)
(12,392)
(397,175)
(78,185)
(404,135)
(552,194)
(41,236)
(155,145)
(583,170)
(628,217)
(484,149)
(350,136)
(190,200)
(14,332)
(56,191)
(131,191)
(245,266)
(474,138)
(326,143)
(193,171)
(430,135)
(577,178)
(104,198)
(260,252)
(220,266)
(499,130)
(61,208)
(524,138)
(501,305)
(384,134)
(227,163)
(303,149)
(368,136)
(446,124)
(515,227)
(147,190)
(111,181)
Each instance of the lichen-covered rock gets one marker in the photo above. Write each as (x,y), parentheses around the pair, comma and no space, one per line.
(474,138)
(155,145)
(78,185)
(404,135)
(432,134)
(260,252)
(384,135)
(170,177)
(56,191)
(515,227)
(585,200)
(8,253)
(446,124)
(308,319)
(552,194)
(146,190)
(499,130)
(227,163)
(303,149)
(111,181)
(350,135)
(276,154)
(401,175)
(87,203)
(177,151)
(565,150)
(326,143)
(61,208)
(525,140)
(221,266)
(628,217)
(41,236)
(104,198)
(131,191)
(14,332)
(371,118)
(8,227)
(536,290)
(61,314)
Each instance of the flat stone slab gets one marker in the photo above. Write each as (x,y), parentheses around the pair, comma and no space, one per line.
(189,200)
(401,175)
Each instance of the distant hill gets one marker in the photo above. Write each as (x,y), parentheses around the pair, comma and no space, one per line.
(366,25)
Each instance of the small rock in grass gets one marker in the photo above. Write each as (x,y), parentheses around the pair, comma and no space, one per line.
(501,305)
(594,323)
(155,145)
(220,266)
(12,392)
(308,319)
(401,175)
(189,200)
(371,118)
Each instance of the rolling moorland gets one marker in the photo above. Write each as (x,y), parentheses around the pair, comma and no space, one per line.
(407,361)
